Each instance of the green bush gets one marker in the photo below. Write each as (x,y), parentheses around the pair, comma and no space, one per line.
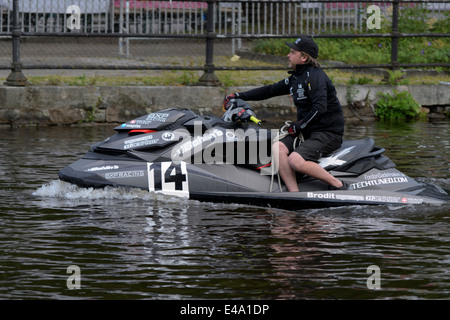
(400,105)
(395,77)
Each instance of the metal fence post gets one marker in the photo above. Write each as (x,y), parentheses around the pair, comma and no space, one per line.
(209,78)
(16,77)
(394,36)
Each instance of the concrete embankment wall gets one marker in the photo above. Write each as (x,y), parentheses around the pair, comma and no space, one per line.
(69,105)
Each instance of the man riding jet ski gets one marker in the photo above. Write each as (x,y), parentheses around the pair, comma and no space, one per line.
(320,120)
(207,158)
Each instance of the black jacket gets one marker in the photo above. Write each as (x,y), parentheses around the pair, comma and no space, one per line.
(314,95)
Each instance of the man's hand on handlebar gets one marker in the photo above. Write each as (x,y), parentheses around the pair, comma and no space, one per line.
(226,101)
(246,115)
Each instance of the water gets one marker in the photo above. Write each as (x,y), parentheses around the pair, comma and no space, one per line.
(131,244)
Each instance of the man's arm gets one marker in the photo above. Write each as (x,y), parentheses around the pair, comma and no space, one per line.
(261,93)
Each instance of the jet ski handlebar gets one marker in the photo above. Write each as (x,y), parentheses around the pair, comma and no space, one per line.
(237,110)
(255,120)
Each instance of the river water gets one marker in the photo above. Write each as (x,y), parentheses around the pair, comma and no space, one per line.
(58,241)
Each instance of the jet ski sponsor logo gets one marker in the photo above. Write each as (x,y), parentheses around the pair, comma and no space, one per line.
(197,141)
(139,142)
(376,182)
(388,199)
(124,174)
(371,198)
(131,126)
(140,122)
(159,117)
(329,195)
(152,117)
(168,136)
(380,175)
(136,124)
(228,146)
(93,169)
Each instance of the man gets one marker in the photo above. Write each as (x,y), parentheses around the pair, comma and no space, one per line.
(319,116)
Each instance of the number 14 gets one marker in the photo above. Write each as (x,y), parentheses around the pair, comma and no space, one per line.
(169,178)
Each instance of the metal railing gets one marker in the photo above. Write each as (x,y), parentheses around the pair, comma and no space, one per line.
(189,17)
(206,21)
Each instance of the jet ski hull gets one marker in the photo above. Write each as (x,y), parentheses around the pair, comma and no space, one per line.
(229,184)
(177,152)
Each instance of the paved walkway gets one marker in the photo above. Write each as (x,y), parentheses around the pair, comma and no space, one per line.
(106,52)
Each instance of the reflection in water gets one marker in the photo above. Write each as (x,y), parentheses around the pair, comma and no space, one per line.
(333,248)
(131,244)
(304,242)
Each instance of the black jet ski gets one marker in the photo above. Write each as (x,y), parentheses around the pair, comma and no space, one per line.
(225,159)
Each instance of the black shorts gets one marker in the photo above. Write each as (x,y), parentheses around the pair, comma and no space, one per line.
(317,145)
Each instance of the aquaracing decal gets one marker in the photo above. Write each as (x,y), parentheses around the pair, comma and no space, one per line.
(169,178)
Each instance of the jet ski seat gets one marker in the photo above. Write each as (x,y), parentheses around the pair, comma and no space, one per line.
(356,156)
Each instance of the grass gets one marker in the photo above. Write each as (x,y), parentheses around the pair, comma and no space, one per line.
(227,78)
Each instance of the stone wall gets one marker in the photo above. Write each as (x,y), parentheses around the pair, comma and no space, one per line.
(67,105)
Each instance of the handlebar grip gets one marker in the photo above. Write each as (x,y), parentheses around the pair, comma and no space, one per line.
(255,120)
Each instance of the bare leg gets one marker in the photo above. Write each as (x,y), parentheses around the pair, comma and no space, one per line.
(287,173)
(312,169)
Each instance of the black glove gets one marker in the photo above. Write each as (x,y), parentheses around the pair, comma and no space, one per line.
(294,129)
(227,99)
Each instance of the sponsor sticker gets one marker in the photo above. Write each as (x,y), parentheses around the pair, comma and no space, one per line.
(168,136)
(376,182)
(140,142)
(124,174)
(93,169)
(388,199)
(197,141)
(330,195)
(159,117)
